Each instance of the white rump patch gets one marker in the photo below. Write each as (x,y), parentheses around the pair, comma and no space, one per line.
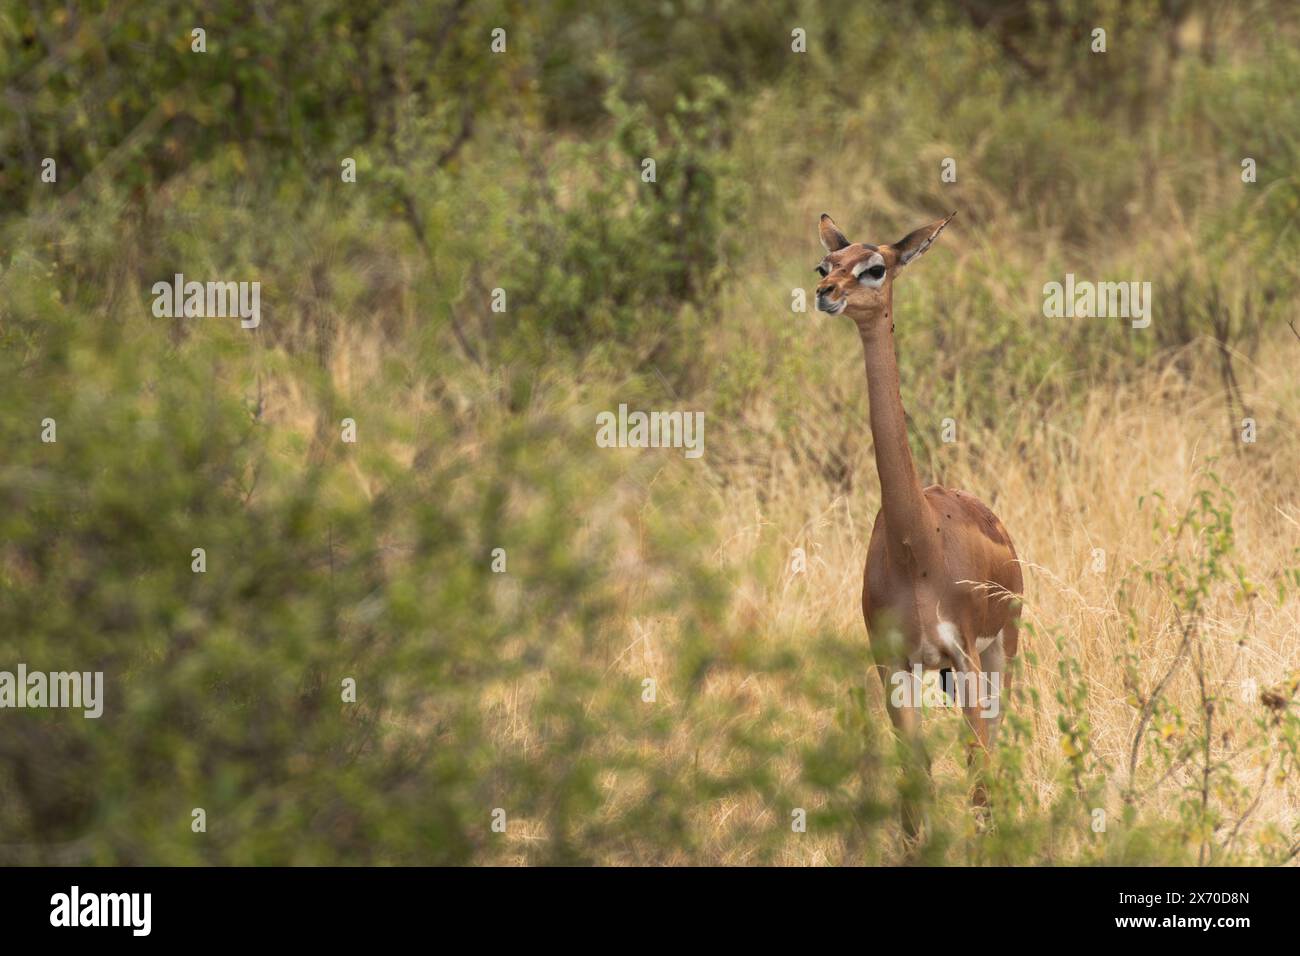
(950,638)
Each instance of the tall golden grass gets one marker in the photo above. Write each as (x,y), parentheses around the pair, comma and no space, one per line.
(1073,482)
(1063,492)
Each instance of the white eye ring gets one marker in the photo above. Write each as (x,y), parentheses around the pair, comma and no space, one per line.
(860,272)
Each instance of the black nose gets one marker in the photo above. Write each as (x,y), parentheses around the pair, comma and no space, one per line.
(824,290)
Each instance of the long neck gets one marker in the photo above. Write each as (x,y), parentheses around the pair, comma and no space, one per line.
(907,516)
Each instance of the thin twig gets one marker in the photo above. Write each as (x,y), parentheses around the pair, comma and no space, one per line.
(1148,708)
(1263,785)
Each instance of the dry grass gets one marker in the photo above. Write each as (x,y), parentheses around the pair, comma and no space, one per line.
(1062,495)
(1065,480)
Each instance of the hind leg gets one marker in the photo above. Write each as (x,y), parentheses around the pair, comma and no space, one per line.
(995,692)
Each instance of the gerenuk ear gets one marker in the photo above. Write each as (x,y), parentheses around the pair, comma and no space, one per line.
(830,234)
(917,242)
